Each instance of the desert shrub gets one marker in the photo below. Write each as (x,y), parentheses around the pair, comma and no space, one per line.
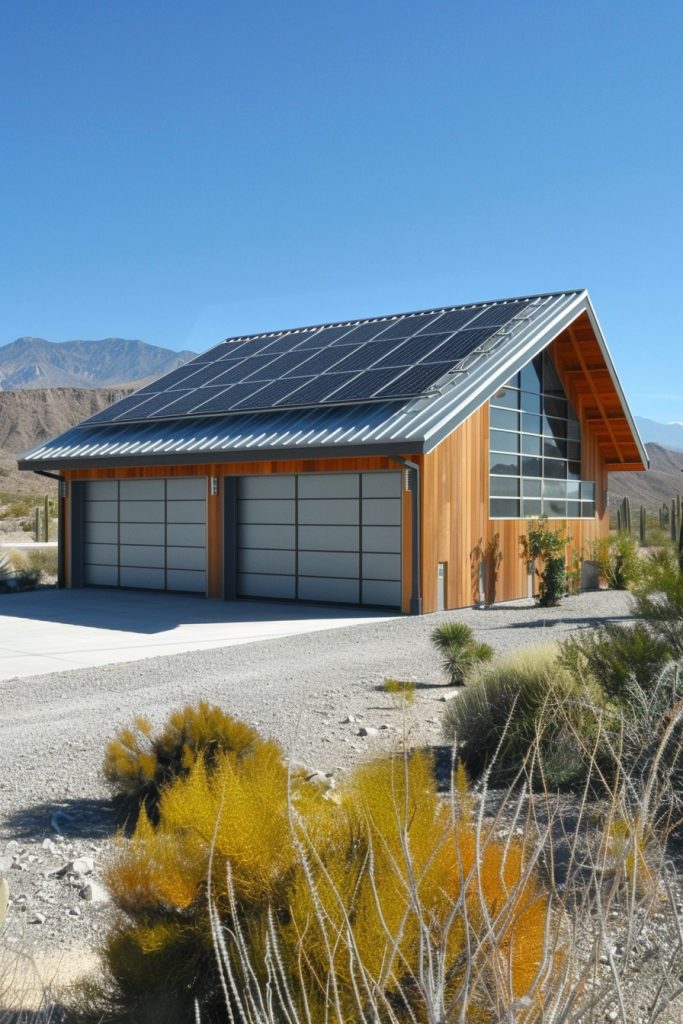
(522,700)
(548,546)
(42,560)
(461,653)
(139,763)
(402,689)
(616,657)
(619,561)
(659,597)
(385,904)
(6,567)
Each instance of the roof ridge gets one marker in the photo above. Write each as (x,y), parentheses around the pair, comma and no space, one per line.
(359,322)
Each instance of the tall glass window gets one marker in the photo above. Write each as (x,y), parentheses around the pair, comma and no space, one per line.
(535,457)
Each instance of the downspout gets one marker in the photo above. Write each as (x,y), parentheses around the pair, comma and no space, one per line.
(414,486)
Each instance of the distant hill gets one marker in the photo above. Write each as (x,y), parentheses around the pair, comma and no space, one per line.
(37,363)
(28,417)
(662,482)
(668,435)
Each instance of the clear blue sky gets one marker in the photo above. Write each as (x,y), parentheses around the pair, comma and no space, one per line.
(179,172)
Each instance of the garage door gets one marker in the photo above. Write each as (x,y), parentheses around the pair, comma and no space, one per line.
(320,537)
(145,533)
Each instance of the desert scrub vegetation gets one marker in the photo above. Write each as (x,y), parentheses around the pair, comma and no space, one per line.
(459,650)
(618,559)
(257,899)
(524,702)
(260,898)
(140,762)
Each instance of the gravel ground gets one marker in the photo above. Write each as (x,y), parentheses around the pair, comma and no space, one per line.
(300,689)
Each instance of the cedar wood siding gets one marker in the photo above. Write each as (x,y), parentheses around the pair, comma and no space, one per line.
(456,528)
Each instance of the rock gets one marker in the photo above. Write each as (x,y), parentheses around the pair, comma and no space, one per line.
(5,864)
(349,720)
(47,844)
(37,918)
(93,892)
(82,866)
(367,730)
(4,899)
(74,912)
(448,696)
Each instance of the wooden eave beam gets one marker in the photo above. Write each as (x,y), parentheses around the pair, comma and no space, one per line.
(596,396)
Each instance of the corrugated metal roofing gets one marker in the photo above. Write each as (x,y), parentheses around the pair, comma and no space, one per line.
(415,425)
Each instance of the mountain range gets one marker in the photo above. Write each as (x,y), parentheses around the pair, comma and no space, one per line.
(37,363)
(668,435)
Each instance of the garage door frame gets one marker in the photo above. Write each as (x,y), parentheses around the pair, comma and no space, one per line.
(384,589)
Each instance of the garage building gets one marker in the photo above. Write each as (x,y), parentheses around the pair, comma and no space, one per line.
(393,461)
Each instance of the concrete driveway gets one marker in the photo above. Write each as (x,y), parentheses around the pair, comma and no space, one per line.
(52,630)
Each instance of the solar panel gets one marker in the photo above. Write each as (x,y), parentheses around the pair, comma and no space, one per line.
(454,320)
(364,386)
(408,325)
(323,337)
(153,404)
(358,358)
(317,363)
(363,332)
(414,380)
(412,350)
(363,361)
(270,394)
(499,314)
(315,390)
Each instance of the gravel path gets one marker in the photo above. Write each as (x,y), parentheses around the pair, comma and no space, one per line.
(53,729)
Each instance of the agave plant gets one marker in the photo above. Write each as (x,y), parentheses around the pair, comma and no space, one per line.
(460,651)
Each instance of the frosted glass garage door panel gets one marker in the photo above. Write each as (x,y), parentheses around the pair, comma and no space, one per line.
(147,579)
(101,512)
(328,538)
(249,536)
(186,488)
(381,512)
(142,533)
(186,558)
(381,567)
(382,592)
(324,511)
(142,490)
(101,533)
(382,485)
(179,579)
(101,554)
(270,511)
(332,563)
(101,490)
(312,589)
(187,534)
(257,585)
(101,575)
(329,485)
(186,512)
(382,539)
(266,487)
(142,511)
(142,555)
(280,563)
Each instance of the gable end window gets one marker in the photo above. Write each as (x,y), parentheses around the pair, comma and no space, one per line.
(535,449)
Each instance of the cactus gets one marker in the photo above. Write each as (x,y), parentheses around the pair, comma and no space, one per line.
(4,899)
(672,523)
(627,515)
(680,549)
(643,527)
(619,521)
(46,518)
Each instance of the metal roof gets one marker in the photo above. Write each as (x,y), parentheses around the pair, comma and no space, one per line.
(413,426)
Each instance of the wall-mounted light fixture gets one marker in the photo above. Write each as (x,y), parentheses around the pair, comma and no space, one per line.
(213,486)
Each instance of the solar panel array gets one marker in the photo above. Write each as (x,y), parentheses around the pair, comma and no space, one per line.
(380,360)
